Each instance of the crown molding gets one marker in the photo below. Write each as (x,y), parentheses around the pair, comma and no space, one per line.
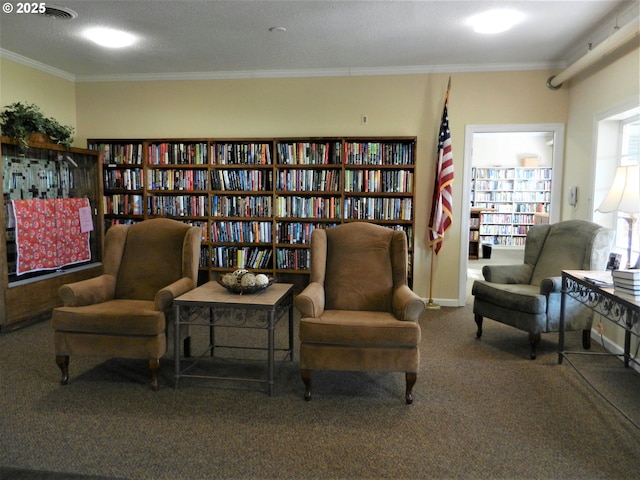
(37,65)
(302,73)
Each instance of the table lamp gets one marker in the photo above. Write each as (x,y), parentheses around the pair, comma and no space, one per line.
(623,197)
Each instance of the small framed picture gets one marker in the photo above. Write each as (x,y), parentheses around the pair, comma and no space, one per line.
(614,261)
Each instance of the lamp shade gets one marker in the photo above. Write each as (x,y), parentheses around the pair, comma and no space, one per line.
(623,194)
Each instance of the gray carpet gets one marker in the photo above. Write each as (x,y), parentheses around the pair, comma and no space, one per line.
(482,410)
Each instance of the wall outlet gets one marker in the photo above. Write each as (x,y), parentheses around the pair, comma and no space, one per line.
(364,119)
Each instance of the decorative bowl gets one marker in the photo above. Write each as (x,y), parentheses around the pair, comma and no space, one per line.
(239,289)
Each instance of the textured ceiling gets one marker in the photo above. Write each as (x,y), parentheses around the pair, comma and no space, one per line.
(209,39)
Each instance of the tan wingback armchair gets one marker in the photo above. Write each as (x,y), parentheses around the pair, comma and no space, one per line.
(357,311)
(527,296)
(124,312)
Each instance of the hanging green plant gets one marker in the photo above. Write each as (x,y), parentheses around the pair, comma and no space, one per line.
(20,120)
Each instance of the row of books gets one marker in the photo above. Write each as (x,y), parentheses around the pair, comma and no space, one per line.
(241,153)
(293,259)
(177,154)
(505,241)
(491,185)
(511,173)
(205,257)
(532,207)
(376,153)
(534,185)
(398,181)
(308,207)
(626,283)
(248,153)
(242,232)
(308,180)
(498,196)
(531,196)
(298,232)
(119,154)
(368,208)
(242,180)
(129,179)
(306,153)
(241,257)
(241,206)
(177,179)
(177,205)
(122,204)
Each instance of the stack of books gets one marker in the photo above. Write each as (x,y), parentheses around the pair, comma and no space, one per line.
(626,284)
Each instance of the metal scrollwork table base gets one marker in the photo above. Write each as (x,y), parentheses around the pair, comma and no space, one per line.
(211,305)
(603,301)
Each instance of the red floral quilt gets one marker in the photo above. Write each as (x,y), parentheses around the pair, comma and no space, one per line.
(48,233)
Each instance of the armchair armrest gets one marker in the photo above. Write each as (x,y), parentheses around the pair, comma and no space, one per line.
(164,297)
(551,285)
(88,292)
(407,305)
(508,273)
(310,302)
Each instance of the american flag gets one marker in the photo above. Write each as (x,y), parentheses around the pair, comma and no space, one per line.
(441,206)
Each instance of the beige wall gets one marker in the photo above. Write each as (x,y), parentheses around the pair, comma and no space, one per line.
(55,96)
(590,96)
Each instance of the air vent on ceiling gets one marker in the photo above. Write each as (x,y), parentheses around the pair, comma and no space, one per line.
(62,13)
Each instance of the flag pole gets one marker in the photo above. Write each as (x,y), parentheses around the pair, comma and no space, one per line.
(431,305)
(440,219)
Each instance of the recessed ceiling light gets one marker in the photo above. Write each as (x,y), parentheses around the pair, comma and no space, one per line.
(495,21)
(110,38)
(277,29)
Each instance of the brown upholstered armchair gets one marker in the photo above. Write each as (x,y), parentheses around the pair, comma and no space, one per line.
(124,312)
(527,296)
(357,311)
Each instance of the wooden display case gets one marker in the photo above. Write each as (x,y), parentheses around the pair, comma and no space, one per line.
(46,172)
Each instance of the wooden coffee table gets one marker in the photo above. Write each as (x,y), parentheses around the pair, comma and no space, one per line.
(211,305)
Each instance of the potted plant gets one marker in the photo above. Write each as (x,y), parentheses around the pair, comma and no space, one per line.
(20,120)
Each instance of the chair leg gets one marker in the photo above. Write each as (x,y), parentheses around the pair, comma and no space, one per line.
(534,339)
(478,319)
(586,339)
(306,378)
(63,362)
(154,365)
(411,381)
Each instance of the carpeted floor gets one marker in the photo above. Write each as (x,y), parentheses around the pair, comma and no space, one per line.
(482,410)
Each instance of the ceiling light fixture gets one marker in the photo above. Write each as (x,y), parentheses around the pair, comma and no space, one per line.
(277,29)
(495,21)
(110,38)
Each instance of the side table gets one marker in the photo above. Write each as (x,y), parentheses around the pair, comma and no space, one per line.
(261,310)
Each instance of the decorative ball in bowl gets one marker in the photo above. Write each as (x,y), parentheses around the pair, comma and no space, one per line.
(244,281)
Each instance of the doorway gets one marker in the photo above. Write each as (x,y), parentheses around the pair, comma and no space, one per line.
(496,156)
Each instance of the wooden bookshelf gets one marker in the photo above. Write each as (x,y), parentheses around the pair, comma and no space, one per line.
(258,199)
(515,194)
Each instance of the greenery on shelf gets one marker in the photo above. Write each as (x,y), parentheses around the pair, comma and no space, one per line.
(20,120)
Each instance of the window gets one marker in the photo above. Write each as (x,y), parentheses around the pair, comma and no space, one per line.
(618,145)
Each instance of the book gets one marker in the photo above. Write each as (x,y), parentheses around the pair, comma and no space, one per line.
(628,296)
(631,274)
(627,290)
(601,279)
(626,284)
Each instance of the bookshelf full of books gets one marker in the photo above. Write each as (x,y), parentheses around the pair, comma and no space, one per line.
(515,195)
(259,200)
